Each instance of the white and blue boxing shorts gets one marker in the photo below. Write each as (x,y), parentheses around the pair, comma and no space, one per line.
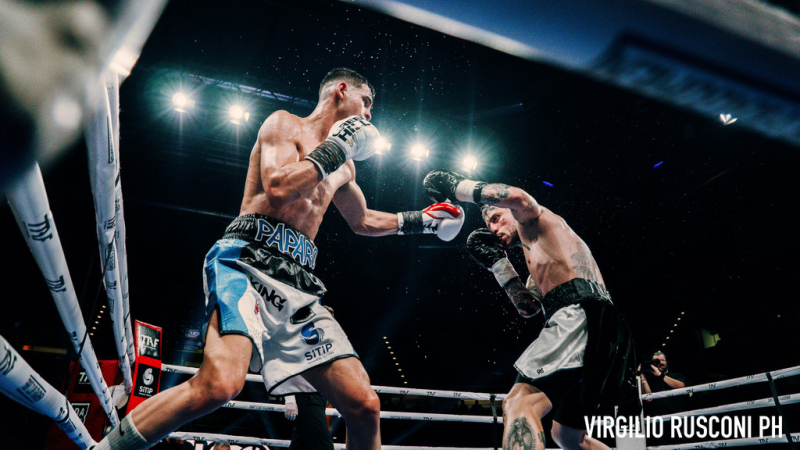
(258,277)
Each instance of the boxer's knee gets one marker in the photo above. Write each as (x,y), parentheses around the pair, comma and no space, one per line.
(218,381)
(524,397)
(366,410)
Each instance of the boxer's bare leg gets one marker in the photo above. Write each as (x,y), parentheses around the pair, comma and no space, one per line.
(345,384)
(523,410)
(220,378)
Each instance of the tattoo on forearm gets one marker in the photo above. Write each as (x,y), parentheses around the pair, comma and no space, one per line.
(541,438)
(491,194)
(526,301)
(520,436)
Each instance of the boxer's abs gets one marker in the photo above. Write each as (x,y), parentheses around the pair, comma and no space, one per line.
(551,265)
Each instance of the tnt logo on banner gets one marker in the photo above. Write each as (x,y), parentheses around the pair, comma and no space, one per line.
(147,378)
(148,342)
(82,385)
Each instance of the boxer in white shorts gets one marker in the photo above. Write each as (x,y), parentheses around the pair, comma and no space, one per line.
(263,302)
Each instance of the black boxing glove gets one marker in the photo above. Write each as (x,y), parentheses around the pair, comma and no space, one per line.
(445,185)
(484,247)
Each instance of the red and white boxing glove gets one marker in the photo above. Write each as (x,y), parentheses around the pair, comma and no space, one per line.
(443,219)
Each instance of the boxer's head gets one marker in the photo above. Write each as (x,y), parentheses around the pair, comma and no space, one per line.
(351,92)
(502,224)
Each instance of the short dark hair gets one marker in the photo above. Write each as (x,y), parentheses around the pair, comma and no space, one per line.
(348,75)
(485,211)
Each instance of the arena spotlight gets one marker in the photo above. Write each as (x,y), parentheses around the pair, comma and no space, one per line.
(237,114)
(383,146)
(419,152)
(469,163)
(181,102)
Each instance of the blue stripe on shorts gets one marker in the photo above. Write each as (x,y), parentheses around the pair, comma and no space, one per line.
(226,284)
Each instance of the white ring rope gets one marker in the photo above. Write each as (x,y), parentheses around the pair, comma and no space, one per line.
(749,379)
(104,176)
(244,440)
(22,384)
(274,407)
(741,406)
(750,404)
(378,389)
(28,201)
(728,443)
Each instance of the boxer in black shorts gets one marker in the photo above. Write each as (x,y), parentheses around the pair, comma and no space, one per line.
(583,358)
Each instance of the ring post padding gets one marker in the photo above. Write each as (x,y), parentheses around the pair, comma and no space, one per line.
(28,201)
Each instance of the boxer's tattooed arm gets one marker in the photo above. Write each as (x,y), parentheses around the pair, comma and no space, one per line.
(492,194)
(520,436)
(541,438)
(582,261)
(526,301)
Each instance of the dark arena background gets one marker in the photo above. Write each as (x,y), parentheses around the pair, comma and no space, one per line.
(693,222)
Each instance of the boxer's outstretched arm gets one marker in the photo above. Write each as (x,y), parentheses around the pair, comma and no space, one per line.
(284,176)
(527,302)
(445,185)
(522,205)
(350,201)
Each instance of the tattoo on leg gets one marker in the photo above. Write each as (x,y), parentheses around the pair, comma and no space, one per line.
(520,436)
(492,194)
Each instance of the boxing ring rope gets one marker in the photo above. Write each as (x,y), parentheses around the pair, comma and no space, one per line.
(103,153)
(274,407)
(379,389)
(22,384)
(244,440)
(28,201)
(741,406)
(749,379)
(746,405)
(727,443)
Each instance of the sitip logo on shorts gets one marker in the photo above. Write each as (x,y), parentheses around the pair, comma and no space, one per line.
(310,334)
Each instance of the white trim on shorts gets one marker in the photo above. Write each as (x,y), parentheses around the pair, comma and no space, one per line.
(561,345)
